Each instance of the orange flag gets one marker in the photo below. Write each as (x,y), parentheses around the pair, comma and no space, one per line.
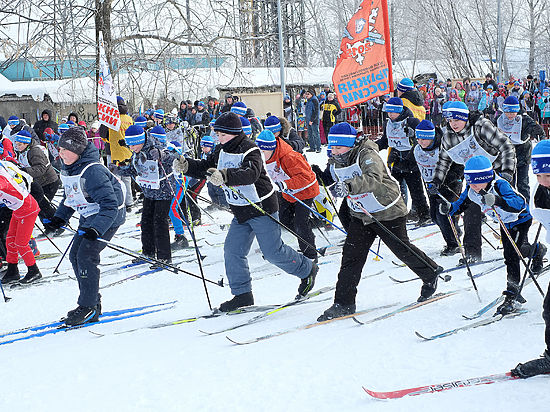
(363,69)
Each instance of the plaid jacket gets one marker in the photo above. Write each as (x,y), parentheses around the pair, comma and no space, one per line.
(488,136)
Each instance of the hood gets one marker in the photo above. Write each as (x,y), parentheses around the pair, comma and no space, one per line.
(75,115)
(414,97)
(49,113)
(89,155)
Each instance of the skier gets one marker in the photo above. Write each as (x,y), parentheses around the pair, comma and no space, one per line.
(237,161)
(411,98)
(282,129)
(520,129)
(426,153)
(362,178)
(180,241)
(399,136)
(15,195)
(467,135)
(495,195)
(293,175)
(151,167)
(540,208)
(98,196)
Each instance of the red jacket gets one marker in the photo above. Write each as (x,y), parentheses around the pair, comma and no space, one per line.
(296,168)
(15,197)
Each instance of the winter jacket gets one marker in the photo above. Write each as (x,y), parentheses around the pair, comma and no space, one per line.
(254,122)
(436,105)
(288,111)
(529,129)
(96,139)
(199,118)
(312,110)
(286,165)
(6,148)
(14,191)
(42,125)
(23,126)
(511,206)
(99,186)
(414,101)
(118,153)
(136,167)
(331,109)
(290,136)
(251,171)
(401,161)
(34,161)
(492,140)
(374,179)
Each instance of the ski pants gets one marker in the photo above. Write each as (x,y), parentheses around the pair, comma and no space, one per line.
(84,257)
(296,216)
(442,221)
(546,317)
(268,234)
(356,248)
(521,178)
(175,208)
(519,234)
(472,230)
(416,189)
(155,232)
(20,231)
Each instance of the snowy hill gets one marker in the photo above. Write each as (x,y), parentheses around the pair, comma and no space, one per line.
(179,368)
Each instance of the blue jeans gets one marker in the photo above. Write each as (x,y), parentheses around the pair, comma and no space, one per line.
(268,233)
(313,136)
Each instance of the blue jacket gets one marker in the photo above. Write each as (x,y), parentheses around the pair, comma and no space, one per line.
(100,186)
(312,109)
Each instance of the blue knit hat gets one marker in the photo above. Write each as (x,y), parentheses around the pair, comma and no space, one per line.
(456,110)
(540,158)
(228,123)
(23,137)
(510,105)
(120,101)
(200,104)
(158,114)
(266,140)
(425,130)
(174,146)
(140,121)
(393,105)
(158,133)
(478,169)
(207,141)
(70,123)
(273,123)
(342,134)
(286,97)
(405,84)
(247,127)
(13,120)
(239,108)
(63,127)
(134,135)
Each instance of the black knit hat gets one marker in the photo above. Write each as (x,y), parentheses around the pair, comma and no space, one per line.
(228,123)
(74,140)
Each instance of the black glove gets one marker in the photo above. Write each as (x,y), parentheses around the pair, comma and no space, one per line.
(89,233)
(281,186)
(155,154)
(507,176)
(444,207)
(122,142)
(54,223)
(432,189)
(317,170)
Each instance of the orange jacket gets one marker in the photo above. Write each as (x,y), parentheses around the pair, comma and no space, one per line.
(298,170)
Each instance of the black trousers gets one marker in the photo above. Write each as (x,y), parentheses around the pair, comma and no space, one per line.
(356,248)
(472,230)
(155,234)
(84,257)
(297,217)
(519,234)
(442,221)
(416,190)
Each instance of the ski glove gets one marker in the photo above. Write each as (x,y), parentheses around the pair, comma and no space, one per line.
(89,233)
(216,177)
(281,186)
(155,154)
(341,189)
(54,223)
(432,189)
(444,207)
(180,165)
(491,200)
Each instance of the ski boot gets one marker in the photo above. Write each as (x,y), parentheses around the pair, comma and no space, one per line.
(537,263)
(512,301)
(428,288)
(337,310)
(308,282)
(160,264)
(82,315)
(449,250)
(34,247)
(534,367)
(238,301)
(180,242)
(12,274)
(470,259)
(33,274)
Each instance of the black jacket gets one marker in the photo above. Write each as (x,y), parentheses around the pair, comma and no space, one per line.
(251,171)
(26,127)
(42,125)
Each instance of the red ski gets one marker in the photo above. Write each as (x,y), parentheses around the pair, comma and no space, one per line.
(421,390)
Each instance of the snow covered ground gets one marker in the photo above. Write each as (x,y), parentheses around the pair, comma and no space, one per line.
(178,368)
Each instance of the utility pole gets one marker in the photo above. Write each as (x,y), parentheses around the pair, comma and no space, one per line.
(499,40)
(281,53)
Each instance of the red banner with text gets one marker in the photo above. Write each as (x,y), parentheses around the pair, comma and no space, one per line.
(363,69)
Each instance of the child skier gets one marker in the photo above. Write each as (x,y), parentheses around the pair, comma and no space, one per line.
(98,196)
(496,195)
(293,176)
(180,241)
(362,177)
(540,208)
(237,161)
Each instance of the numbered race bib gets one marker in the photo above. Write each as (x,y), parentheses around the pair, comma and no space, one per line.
(466,149)
(148,174)
(512,128)
(397,138)
(427,161)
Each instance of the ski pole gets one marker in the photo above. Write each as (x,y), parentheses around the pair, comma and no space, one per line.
(192,232)
(56,270)
(505,229)
(531,255)
(390,233)
(377,250)
(322,217)
(47,237)
(330,200)
(188,196)
(321,250)
(6,299)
